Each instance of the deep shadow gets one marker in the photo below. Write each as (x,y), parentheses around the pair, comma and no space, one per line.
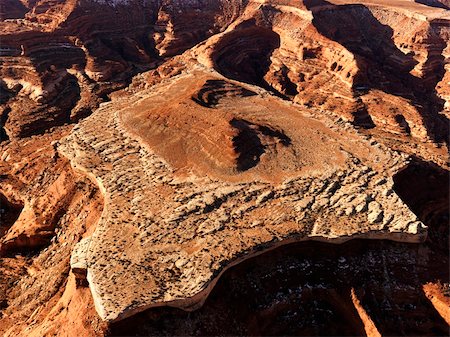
(3,119)
(303,290)
(432,3)
(9,213)
(362,118)
(244,54)
(214,90)
(247,144)
(400,119)
(12,9)
(382,65)
(425,187)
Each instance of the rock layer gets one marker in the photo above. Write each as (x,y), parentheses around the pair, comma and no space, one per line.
(249,125)
(173,232)
(61,59)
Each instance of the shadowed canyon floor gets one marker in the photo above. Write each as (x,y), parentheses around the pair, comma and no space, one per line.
(224,167)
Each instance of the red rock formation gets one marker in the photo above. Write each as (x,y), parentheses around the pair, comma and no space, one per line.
(351,67)
(52,207)
(381,65)
(348,64)
(63,58)
(182,24)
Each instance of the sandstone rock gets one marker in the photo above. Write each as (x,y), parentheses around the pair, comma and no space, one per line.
(78,262)
(375,212)
(213,235)
(200,162)
(349,211)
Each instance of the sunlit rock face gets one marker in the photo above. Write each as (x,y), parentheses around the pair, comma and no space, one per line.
(61,59)
(197,186)
(152,148)
(317,53)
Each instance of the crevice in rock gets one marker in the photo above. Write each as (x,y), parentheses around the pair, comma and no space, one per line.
(400,119)
(244,54)
(424,187)
(362,118)
(214,90)
(9,213)
(3,119)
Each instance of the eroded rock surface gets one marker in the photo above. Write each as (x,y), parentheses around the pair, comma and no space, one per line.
(60,59)
(241,126)
(168,232)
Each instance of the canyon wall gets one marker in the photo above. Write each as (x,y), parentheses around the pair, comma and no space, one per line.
(151,149)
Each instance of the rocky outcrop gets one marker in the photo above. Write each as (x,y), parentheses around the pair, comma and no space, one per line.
(48,210)
(242,126)
(356,288)
(183,24)
(78,263)
(347,68)
(62,59)
(38,188)
(180,249)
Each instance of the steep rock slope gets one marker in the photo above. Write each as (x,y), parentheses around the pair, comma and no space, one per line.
(345,64)
(56,208)
(436,3)
(61,60)
(12,9)
(252,143)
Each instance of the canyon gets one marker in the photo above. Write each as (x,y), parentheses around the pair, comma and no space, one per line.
(239,167)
